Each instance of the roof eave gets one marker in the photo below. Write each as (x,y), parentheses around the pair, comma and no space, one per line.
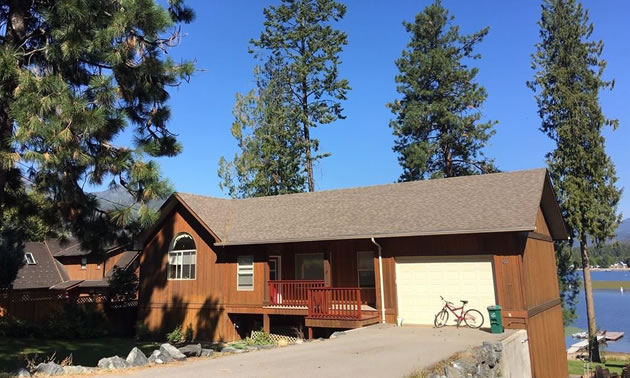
(375,235)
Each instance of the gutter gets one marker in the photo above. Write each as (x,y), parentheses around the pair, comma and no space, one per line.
(380,275)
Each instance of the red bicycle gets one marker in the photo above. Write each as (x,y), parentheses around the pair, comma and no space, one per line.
(472,318)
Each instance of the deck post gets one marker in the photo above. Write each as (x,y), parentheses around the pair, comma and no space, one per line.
(266,323)
(310,333)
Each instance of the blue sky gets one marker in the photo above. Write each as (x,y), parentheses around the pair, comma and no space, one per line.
(361,145)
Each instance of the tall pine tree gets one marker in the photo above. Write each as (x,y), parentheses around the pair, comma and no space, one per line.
(438,125)
(300,32)
(74,74)
(567,82)
(269,138)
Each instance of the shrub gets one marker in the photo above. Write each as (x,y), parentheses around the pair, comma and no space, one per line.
(142,331)
(75,322)
(259,338)
(188,335)
(176,336)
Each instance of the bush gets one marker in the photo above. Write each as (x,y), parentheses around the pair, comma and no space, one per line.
(259,338)
(142,331)
(13,327)
(75,322)
(188,335)
(176,336)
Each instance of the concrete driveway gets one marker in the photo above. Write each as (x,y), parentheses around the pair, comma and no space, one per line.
(377,351)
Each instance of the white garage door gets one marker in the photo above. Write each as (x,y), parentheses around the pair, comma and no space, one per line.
(421,280)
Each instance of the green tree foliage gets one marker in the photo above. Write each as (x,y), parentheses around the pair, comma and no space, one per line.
(568,280)
(438,125)
(123,284)
(567,82)
(74,75)
(269,138)
(299,34)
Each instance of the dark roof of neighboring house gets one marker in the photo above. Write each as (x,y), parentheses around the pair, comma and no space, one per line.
(127,258)
(46,271)
(67,247)
(499,202)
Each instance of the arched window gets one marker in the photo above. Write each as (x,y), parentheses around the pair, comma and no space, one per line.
(182,258)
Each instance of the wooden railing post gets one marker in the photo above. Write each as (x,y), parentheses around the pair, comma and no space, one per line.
(310,302)
(358,291)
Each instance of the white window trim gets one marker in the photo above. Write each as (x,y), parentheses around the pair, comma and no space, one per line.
(365,270)
(180,252)
(307,254)
(238,273)
(32,258)
(83,263)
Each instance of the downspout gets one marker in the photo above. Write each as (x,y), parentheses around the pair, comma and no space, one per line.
(380,275)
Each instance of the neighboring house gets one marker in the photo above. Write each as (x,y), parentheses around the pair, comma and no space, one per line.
(64,268)
(225,266)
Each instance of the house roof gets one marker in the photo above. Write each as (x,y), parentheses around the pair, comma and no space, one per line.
(499,202)
(127,258)
(46,271)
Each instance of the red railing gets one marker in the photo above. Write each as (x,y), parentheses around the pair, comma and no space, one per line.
(334,303)
(291,293)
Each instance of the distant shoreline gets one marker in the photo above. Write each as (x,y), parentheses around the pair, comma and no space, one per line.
(608,269)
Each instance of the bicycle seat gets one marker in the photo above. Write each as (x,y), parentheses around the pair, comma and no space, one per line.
(463,301)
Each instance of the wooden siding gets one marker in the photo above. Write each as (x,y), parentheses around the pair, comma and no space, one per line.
(91,271)
(546,344)
(540,273)
(541,224)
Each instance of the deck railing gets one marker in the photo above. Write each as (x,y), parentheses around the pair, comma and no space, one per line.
(334,303)
(291,293)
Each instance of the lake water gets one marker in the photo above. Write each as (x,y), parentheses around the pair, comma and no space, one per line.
(612,310)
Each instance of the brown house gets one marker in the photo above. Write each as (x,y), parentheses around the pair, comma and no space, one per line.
(352,257)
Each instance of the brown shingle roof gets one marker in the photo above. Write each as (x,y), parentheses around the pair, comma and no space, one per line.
(46,271)
(473,204)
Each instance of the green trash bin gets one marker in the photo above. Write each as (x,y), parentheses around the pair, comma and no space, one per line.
(496,324)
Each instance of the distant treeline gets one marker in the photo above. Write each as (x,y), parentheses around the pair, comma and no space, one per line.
(606,255)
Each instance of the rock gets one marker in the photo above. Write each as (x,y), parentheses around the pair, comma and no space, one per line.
(229,349)
(192,350)
(74,370)
(21,372)
(112,363)
(158,357)
(299,341)
(173,352)
(267,346)
(206,352)
(454,372)
(137,358)
(49,368)
(337,334)
(282,342)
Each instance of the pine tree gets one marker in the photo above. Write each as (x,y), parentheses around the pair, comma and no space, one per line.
(74,74)
(437,126)
(567,82)
(269,139)
(300,33)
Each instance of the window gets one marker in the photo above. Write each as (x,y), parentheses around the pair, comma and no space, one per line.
(30,259)
(309,267)
(245,273)
(365,269)
(182,258)
(83,263)
(275,270)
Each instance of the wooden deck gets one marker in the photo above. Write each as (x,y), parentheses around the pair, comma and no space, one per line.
(366,319)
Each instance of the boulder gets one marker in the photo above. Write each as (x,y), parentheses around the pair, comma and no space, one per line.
(206,352)
(337,334)
(21,372)
(74,370)
(229,349)
(173,352)
(158,357)
(137,358)
(112,363)
(49,368)
(192,350)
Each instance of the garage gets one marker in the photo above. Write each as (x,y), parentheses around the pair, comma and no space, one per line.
(420,281)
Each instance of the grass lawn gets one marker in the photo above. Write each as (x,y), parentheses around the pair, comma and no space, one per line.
(84,352)
(568,331)
(612,285)
(577,367)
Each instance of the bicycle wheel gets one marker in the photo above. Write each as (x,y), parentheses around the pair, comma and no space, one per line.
(441,318)
(473,318)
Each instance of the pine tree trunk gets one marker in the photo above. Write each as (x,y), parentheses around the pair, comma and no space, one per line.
(307,137)
(593,344)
